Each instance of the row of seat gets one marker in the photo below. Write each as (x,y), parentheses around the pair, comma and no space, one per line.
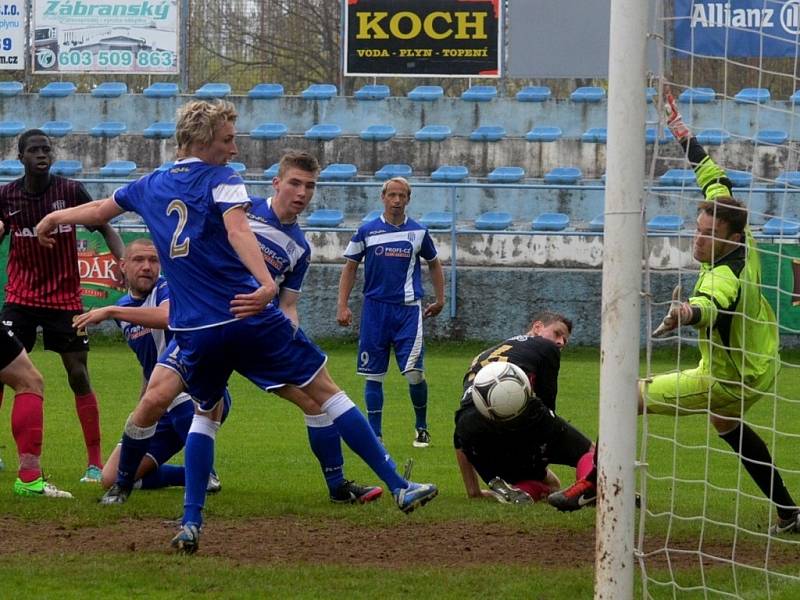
(71,168)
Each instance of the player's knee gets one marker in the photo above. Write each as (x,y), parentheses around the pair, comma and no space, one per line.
(414,377)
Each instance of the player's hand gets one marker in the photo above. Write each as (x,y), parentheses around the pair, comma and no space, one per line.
(433,309)
(674,120)
(344,316)
(679,313)
(44,231)
(247,305)
(91,317)
(2,228)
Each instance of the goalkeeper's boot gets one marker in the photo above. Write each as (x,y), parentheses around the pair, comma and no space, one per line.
(790,524)
(187,541)
(507,494)
(581,493)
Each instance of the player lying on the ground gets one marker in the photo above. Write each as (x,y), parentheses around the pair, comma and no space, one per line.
(512,455)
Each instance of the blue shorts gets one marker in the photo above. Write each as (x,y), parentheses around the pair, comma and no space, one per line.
(384,326)
(267,349)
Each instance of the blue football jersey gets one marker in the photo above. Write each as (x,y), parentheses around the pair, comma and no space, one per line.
(146,343)
(391,259)
(183,208)
(284,247)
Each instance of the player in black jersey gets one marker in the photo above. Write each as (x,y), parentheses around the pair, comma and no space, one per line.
(512,457)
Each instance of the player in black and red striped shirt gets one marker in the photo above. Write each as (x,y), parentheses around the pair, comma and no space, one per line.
(43,286)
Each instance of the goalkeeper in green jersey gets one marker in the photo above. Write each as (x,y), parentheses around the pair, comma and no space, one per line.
(736,327)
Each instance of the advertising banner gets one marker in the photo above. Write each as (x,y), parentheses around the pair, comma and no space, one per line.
(780,273)
(12,35)
(737,28)
(422,38)
(105,36)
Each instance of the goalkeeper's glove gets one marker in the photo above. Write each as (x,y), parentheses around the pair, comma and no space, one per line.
(673,318)
(674,120)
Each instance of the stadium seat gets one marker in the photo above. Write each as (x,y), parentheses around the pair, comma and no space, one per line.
(213,90)
(437,220)
(338,172)
(488,133)
(588,94)
(433,133)
(160,130)
(11,167)
(239,167)
(393,170)
(665,223)
(493,221)
(118,168)
(700,95)
(781,227)
(66,168)
(110,89)
(563,176)
(161,89)
(595,135)
(713,137)
(677,177)
(771,137)
(269,131)
(506,175)
(550,221)
(57,89)
(166,166)
(57,128)
(795,98)
(740,178)
(450,173)
(325,217)
(651,133)
(271,172)
(543,134)
(426,93)
(265,91)
(788,178)
(10,88)
(108,129)
(534,93)
(319,91)
(752,96)
(11,128)
(650,94)
(480,93)
(372,92)
(372,215)
(378,133)
(598,223)
(323,132)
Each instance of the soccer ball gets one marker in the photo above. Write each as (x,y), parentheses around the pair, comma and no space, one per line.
(500,391)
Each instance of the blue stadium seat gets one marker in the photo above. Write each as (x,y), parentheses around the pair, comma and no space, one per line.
(700,95)
(488,133)
(66,168)
(550,221)
(588,94)
(108,129)
(534,93)
(665,223)
(269,131)
(543,134)
(11,128)
(650,94)
(740,178)
(651,133)
(795,98)
(752,96)
(450,173)
(372,215)
(323,132)
(161,89)
(213,90)
(10,88)
(11,167)
(598,223)
(506,175)
(271,172)
(595,135)
(325,217)
(110,89)
(677,177)
(493,221)
(166,166)
(772,137)
(378,133)
(57,128)
(713,137)
(57,89)
(437,220)
(239,167)
(338,172)
(393,170)
(781,227)
(160,130)
(433,133)
(118,168)
(480,93)
(319,91)
(265,91)
(373,91)
(788,178)
(563,175)
(426,93)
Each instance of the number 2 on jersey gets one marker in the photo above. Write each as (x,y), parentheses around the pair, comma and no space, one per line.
(179,249)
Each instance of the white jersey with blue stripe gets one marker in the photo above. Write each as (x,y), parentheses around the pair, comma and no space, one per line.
(391,259)
(145,342)
(284,247)
(183,208)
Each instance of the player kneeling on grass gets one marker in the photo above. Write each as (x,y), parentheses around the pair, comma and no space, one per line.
(512,454)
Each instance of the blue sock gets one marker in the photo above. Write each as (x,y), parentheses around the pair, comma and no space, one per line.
(326,445)
(419,400)
(135,443)
(373,399)
(357,434)
(199,458)
(164,476)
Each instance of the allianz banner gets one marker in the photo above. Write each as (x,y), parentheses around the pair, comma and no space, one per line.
(737,28)
(421,38)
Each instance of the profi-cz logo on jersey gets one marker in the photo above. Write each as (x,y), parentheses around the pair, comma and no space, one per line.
(59,204)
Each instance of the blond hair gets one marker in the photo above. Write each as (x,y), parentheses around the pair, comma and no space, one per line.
(401,180)
(198,120)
